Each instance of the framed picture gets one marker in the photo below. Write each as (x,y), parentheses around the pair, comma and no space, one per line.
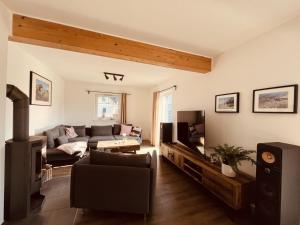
(281,99)
(227,103)
(40,90)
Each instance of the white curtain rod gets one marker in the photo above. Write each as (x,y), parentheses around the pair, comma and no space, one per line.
(106,92)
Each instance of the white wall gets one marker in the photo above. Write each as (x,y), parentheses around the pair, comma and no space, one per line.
(19,66)
(80,106)
(270,60)
(4,28)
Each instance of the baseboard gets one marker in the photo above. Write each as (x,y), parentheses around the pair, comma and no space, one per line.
(146,142)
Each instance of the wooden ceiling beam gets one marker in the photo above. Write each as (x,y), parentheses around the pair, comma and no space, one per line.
(54,35)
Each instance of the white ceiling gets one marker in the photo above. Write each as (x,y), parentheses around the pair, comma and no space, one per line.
(207,27)
(90,68)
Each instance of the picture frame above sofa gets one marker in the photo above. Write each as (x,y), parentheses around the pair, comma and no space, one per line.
(40,90)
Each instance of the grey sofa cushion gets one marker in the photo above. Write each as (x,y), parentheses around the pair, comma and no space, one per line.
(61,129)
(85,139)
(52,134)
(80,130)
(101,130)
(95,139)
(113,159)
(62,140)
(117,129)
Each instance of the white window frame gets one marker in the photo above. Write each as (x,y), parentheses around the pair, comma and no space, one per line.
(107,119)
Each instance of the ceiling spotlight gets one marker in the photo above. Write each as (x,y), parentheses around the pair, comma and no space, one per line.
(115,76)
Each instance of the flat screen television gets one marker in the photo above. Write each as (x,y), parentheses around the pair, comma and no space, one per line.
(191,130)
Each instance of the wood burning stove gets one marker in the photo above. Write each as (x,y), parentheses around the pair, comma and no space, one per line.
(23,162)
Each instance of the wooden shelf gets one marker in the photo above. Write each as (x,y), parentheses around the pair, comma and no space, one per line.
(191,168)
(193,177)
(235,192)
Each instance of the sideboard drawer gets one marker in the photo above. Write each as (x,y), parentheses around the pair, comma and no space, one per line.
(218,179)
(227,195)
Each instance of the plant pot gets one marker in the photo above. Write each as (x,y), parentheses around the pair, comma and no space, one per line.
(228,171)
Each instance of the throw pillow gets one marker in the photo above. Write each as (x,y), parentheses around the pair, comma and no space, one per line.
(136,132)
(70,132)
(61,129)
(74,147)
(125,130)
(62,140)
(52,134)
(119,159)
(80,130)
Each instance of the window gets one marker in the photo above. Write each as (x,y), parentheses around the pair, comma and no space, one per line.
(108,107)
(166,112)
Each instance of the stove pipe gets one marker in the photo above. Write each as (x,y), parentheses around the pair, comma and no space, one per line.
(20,113)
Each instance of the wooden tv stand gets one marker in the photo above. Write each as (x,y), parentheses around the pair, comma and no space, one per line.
(236,192)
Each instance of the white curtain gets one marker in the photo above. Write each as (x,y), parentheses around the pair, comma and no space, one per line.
(155,119)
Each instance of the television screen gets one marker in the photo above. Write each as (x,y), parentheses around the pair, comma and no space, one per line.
(191,130)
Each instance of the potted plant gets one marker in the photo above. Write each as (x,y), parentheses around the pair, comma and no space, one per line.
(231,157)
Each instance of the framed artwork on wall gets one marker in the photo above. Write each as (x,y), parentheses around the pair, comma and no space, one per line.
(40,90)
(282,99)
(227,103)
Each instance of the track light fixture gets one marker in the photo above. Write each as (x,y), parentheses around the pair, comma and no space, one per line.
(115,76)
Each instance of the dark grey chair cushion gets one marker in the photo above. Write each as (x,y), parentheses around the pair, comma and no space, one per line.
(85,139)
(101,130)
(115,159)
(62,140)
(80,130)
(95,139)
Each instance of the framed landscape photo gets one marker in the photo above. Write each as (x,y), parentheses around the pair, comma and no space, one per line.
(281,99)
(227,103)
(40,90)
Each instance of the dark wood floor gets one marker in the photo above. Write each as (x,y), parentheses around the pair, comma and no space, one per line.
(179,201)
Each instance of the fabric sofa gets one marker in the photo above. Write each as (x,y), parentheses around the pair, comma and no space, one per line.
(91,135)
(114,182)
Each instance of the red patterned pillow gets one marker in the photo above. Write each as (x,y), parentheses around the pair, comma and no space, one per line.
(70,132)
(125,129)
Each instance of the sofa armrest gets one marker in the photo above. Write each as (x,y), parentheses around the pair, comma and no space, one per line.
(110,188)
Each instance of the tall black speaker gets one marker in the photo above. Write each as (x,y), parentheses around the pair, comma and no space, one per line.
(166,131)
(278,184)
